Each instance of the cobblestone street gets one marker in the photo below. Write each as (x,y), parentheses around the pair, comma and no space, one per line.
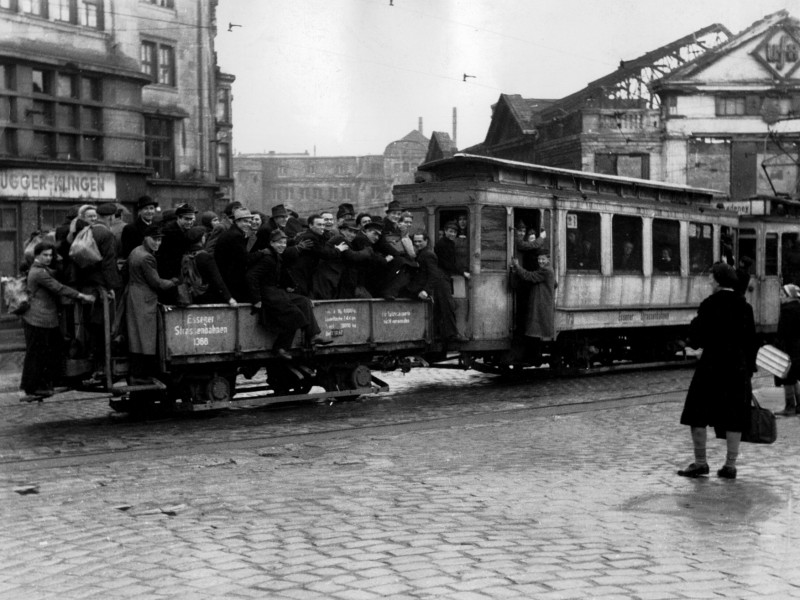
(521,504)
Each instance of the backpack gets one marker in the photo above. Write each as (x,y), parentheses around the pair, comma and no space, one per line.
(190,276)
(84,251)
(16,295)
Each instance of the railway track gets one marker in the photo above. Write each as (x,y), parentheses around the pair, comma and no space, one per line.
(101,438)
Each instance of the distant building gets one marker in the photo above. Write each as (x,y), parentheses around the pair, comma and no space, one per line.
(308,184)
(732,116)
(711,110)
(106,101)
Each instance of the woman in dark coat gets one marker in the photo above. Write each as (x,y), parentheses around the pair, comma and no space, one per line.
(720,392)
(271,291)
(789,342)
(216,290)
(43,343)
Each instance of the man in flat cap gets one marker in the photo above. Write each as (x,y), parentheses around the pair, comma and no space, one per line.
(232,256)
(175,243)
(133,233)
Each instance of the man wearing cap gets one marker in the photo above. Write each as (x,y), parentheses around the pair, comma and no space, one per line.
(232,256)
(175,243)
(371,267)
(102,275)
(271,290)
(539,321)
(141,304)
(315,249)
(133,233)
(431,283)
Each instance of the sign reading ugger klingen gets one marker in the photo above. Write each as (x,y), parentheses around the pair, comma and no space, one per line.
(73,185)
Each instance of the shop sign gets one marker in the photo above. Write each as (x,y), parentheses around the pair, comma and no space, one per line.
(70,185)
(746,207)
(779,52)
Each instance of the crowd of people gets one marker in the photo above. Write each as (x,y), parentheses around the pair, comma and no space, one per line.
(279,263)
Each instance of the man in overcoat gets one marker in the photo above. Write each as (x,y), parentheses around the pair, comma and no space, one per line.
(141,305)
(431,283)
(541,296)
(232,256)
(720,392)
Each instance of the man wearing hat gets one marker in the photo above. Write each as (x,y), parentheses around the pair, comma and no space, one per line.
(370,266)
(278,218)
(346,211)
(175,243)
(141,305)
(282,310)
(133,233)
(232,256)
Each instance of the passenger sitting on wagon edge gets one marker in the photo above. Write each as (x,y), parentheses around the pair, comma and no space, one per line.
(271,290)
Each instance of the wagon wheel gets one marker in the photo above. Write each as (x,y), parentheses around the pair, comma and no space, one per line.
(341,379)
(288,381)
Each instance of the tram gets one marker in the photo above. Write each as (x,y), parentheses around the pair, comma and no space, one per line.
(609,312)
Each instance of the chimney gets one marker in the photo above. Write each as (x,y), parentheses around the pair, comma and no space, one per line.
(420,125)
(455,127)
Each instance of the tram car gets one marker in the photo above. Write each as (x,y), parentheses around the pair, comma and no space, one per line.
(612,307)
(631,258)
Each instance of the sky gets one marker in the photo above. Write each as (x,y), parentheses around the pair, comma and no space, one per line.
(348,77)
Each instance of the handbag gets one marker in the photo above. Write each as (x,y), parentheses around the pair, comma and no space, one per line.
(763,426)
(16,295)
(773,361)
(84,251)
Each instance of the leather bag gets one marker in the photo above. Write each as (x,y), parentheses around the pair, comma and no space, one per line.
(763,426)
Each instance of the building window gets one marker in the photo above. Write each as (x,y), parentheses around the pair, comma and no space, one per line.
(57,111)
(282,170)
(8,80)
(90,13)
(158,61)
(159,146)
(672,105)
(311,168)
(223,159)
(223,105)
(37,8)
(730,106)
(624,165)
(61,10)
(161,3)
(8,5)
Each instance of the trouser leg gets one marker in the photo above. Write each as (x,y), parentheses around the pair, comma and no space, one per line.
(699,438)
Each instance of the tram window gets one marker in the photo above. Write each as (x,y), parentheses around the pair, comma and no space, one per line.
(583,241)
(727,245)
(771,255)
(493,238)
(701,247)
(626,233)
(790,269)
(747,242)
(459,217)
(666,246)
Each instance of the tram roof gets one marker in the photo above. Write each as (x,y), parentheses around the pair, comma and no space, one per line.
(588,175)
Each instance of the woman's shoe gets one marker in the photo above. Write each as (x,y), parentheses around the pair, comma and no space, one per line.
(727,472)
(694,470)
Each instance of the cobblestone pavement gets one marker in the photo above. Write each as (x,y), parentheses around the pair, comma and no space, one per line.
(503,504)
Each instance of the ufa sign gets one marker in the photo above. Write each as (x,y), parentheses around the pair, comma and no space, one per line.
(779,52)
